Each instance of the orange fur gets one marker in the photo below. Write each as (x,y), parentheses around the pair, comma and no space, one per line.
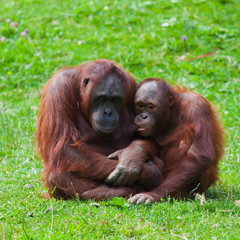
(191,144)
(74,156)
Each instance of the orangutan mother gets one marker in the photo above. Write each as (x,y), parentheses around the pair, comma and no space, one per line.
(86,113)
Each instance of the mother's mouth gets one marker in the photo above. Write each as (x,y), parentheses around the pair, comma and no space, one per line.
(100,129)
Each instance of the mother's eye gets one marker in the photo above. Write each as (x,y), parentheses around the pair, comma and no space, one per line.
(116,99)
(101,99)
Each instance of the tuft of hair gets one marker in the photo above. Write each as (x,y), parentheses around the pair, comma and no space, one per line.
(181,89)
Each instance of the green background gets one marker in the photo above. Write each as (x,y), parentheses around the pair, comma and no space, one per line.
(145,37)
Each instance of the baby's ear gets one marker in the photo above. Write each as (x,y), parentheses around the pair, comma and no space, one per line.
(170,101)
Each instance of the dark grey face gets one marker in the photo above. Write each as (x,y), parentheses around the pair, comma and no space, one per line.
(152,105)
(146,108)
(107,103)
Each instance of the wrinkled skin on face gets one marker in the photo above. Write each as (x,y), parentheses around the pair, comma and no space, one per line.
(151,106)
(106,105)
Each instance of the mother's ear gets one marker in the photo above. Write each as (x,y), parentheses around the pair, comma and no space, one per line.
(85,82)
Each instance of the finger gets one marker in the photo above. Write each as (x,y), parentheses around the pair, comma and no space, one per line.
(133,176)
(95,194)
(112,177)
(86,195)
(141,200)
(126,180)
(134,199)
(121,178)
(149,201)
(113,155)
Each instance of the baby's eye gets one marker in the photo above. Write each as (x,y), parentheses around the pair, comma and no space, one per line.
(139,106)
(152,108)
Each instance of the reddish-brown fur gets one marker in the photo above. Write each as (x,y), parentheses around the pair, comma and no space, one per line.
(191,146)
(74,156)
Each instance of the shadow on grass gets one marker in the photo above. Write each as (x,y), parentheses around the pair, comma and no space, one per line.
(224,192)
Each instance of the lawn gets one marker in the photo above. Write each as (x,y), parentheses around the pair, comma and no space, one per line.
(166,39)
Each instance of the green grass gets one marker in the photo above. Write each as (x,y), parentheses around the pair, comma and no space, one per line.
(67,33)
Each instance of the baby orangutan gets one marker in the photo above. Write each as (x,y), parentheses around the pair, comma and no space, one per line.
(189,136)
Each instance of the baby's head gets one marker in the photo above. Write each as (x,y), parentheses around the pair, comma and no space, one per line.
(154,99)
